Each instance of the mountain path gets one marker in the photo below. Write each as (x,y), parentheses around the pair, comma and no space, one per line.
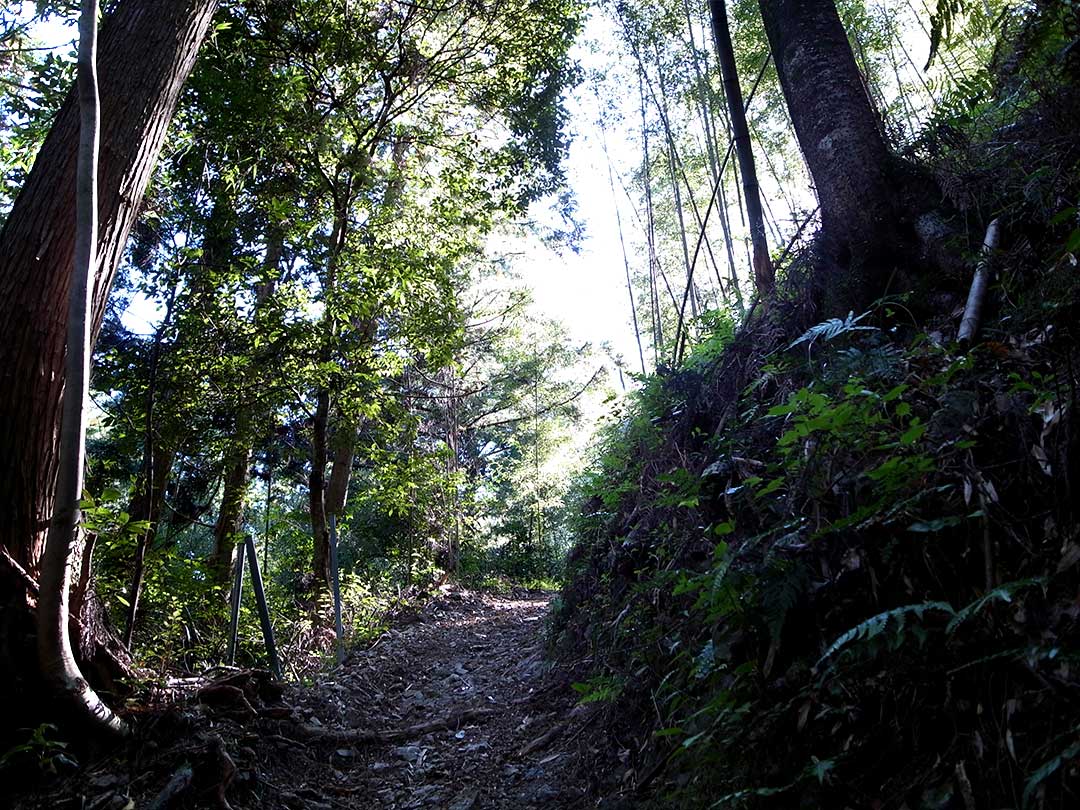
(479,718)
(453,707)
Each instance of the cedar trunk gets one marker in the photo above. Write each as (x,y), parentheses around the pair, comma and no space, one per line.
(852,167)
(147,50)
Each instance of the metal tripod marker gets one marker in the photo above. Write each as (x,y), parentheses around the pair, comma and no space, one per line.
(335,582)
(260,600)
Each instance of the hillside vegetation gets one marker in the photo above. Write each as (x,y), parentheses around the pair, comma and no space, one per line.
(832,561)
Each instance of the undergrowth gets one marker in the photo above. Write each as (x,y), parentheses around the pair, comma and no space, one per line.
(835,563)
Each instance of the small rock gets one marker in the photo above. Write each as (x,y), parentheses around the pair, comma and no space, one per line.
(465,800)
(105,780)
(409,753)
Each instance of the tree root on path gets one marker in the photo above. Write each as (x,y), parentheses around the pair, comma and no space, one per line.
(174,788)
(226,771)
(544,739)
(311,733)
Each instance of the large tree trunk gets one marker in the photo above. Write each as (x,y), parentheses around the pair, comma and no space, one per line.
(55,654)
(858,179)
(147,50)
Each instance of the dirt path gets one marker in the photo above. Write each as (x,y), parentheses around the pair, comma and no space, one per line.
(493,728)
(453,707)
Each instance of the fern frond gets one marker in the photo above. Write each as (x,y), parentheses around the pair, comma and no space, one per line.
(1002,593)
(833,328)
(877,624)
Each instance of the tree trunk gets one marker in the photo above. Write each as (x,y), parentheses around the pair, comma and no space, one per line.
(855,174)
(55,654)
(316,485)
(676,193)
(622,240)
(147,50)
(150,488)
(146,505)
(337,490)
(762,266)
(219,248)
(229,527)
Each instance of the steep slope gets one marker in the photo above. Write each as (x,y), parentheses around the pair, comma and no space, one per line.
(833,561)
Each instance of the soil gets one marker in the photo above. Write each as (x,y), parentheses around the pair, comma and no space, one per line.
(453,707)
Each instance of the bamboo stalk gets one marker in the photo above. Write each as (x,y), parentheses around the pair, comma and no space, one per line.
(984,272)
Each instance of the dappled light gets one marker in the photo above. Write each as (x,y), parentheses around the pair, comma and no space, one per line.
(555,404)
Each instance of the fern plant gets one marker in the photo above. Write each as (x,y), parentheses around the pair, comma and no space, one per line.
(832,329)
(894,619)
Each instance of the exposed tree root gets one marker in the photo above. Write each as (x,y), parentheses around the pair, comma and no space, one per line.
(312,733)
(174,788)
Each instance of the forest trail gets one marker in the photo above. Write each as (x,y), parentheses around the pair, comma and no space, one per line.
(480,721)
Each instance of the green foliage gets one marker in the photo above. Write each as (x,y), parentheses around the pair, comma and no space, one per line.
(598,690)
(316,237)
(39,751)
(1044,771)
(802,566)
(894,621)
(831,329)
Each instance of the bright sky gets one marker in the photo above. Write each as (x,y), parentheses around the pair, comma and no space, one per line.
(587,290)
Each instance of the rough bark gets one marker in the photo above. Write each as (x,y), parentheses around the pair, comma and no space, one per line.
(55,654)
(146,52)
(856,176)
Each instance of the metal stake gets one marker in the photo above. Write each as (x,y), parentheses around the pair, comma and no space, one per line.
(237,590)
(336,584)
(264,612)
